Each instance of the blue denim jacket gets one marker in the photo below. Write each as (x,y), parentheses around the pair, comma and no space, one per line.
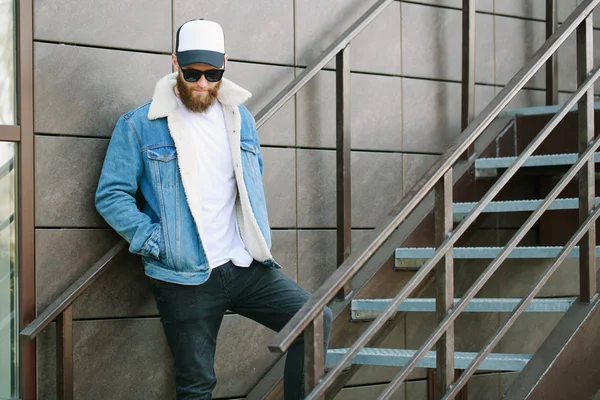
(149,152)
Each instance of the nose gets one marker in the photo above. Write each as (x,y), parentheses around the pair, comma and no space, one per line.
(202,82)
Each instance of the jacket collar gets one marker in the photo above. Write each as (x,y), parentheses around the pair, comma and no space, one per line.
(164,100)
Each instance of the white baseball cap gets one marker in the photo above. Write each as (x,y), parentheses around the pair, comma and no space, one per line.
(200,41)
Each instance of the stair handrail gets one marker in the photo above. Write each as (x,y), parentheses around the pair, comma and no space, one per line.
(327,291)
(69,295)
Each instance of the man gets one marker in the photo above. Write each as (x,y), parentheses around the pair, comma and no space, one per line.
(202,231)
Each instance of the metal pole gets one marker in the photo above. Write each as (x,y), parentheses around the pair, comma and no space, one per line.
(444,277)
(343,161)
(468,63)
(26,198)
(587,249)
(552,64)
(64,354)
(314,354)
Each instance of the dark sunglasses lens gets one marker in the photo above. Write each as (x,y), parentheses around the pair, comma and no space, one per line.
(193,75)
(214,75)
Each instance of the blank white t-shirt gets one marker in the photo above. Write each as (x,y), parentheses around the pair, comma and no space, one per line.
(219,231)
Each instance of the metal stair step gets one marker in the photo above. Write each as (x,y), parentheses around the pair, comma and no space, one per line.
(399,358)
(461,209)
(533,161)
(368,309)
(417,256)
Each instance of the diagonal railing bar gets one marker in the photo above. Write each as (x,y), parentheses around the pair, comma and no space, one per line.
(73,291)
(491,269)
(6,222)
(462,227)
(346,271)
(6,168)
(345,38)
(516,313)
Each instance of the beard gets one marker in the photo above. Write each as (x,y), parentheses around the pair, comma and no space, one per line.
(196,102)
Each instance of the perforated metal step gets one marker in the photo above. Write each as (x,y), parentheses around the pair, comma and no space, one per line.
(399,358)
(416,256)
(368,309)
(462,209)
(487,167)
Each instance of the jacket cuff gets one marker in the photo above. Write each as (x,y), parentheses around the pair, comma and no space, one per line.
(152,246)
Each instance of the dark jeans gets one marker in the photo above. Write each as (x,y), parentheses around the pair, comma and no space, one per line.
(191,317)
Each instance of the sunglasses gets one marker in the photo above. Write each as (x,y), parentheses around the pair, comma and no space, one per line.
(193,75)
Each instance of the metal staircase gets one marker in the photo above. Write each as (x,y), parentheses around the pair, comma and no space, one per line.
(411,259)
(437,191)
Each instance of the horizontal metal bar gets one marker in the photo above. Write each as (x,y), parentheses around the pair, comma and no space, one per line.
(399,358)
(68,296)
(476,305)
(540,110)
(519,206)
(488,252)
(10,133)
(345,38)
(549,160)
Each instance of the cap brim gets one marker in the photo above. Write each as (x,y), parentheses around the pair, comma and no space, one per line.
(213,58)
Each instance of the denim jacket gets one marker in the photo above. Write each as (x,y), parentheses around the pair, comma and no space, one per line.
(150,152)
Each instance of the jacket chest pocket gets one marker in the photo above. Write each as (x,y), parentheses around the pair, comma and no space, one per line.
(163,165)
(250,158)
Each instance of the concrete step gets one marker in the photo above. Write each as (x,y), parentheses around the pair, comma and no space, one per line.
(369,309)
(412,257)
(399,358)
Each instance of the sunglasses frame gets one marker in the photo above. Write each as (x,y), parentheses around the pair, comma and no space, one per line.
(196,75)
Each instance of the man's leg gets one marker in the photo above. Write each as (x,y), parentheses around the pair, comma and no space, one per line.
(271,298)
(191,317)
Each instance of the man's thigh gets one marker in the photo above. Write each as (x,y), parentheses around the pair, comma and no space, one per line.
(191,317)
(267,296)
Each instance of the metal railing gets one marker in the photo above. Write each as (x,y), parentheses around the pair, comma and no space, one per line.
(61,310)
(309,318)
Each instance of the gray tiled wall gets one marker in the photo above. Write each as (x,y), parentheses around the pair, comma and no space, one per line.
(96,60)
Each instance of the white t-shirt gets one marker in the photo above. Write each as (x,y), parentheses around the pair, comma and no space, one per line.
(219,231)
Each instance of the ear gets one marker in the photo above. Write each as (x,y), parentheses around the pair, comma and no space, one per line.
(175,63)
(225,61)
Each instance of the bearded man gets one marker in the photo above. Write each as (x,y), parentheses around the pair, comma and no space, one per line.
(202,230)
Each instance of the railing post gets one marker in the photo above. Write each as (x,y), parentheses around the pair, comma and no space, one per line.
(587,246)
(444,277)
(343,164)
(64,354)
(462,395)
(314,354)
(468,63)
(552,63)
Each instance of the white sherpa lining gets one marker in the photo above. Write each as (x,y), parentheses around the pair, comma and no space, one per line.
(164,104)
